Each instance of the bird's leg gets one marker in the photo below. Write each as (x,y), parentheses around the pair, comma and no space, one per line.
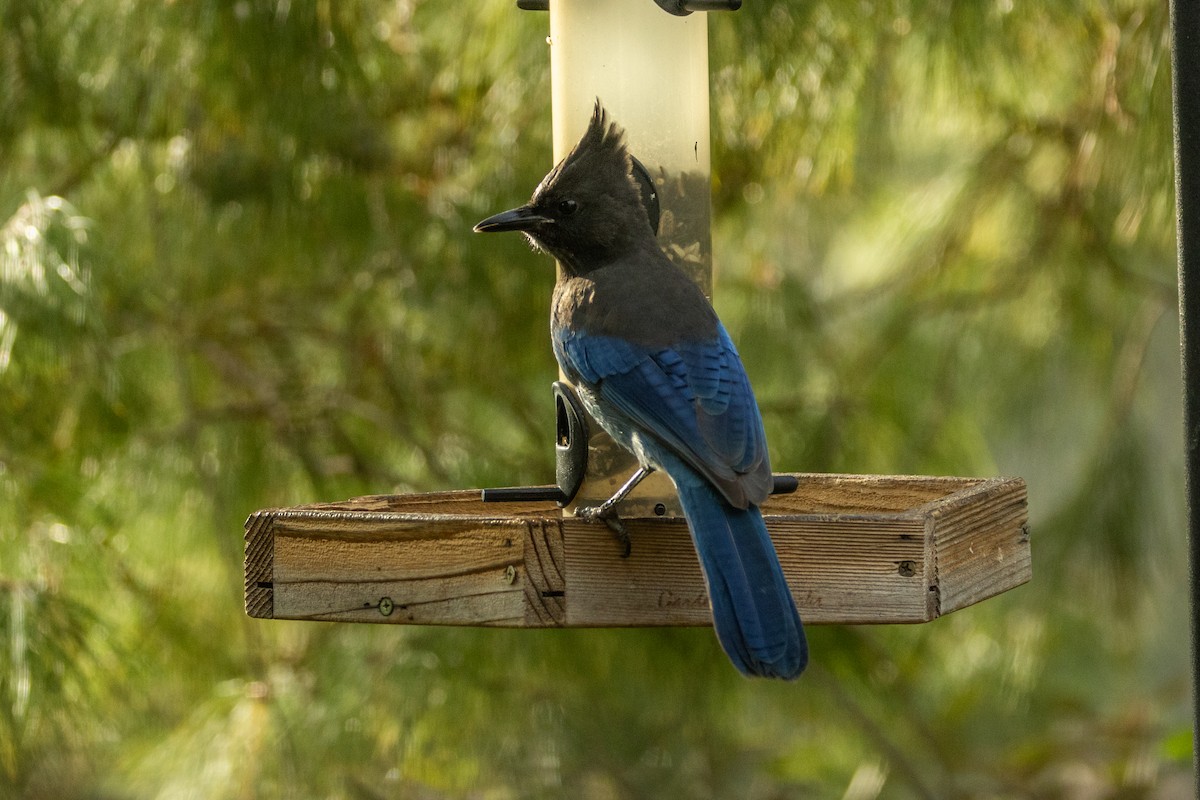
(606,512)
(608,507)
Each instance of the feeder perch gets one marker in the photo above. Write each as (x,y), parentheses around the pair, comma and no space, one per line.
(854,548)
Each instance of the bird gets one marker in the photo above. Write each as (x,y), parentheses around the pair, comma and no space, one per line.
(654,366)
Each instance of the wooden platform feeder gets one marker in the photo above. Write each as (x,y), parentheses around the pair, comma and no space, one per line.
(855,549)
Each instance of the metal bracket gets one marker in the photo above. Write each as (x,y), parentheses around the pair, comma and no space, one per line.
(570,455)
(680,8)
(571,442)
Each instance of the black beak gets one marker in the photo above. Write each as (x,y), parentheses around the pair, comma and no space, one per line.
(517,219)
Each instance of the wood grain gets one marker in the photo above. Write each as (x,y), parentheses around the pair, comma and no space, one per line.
(855,549)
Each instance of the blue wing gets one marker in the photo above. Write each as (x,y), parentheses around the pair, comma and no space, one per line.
(694,398)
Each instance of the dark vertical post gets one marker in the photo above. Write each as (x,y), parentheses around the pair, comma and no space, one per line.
(1185,31)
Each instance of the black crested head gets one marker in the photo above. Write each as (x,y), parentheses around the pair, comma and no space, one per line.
(587,211)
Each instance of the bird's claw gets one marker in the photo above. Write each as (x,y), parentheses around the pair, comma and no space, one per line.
(614,522)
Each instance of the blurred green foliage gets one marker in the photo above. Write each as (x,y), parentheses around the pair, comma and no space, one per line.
(236,271)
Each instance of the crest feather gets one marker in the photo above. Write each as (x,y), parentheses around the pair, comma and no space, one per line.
(602,143)
(602,134)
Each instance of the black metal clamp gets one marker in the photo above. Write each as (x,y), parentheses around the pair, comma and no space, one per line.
(570,455)
(680,8)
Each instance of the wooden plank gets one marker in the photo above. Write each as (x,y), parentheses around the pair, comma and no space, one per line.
(260,563)
(371,566)
(855,549)
(982,542)
(544,574)
(840,570)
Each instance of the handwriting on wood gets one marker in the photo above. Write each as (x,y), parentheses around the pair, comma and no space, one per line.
(854,548)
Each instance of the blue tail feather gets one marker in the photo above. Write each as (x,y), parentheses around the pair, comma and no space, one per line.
(753,610)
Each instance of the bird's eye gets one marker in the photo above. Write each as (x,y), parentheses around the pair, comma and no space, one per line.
(567,207)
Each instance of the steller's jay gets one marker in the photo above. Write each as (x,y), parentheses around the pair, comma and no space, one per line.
(655,367)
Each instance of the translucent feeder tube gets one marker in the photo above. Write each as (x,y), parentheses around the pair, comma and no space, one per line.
(650,71)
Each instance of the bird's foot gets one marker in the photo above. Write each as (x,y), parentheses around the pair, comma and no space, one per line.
(608,515)
(606,512)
